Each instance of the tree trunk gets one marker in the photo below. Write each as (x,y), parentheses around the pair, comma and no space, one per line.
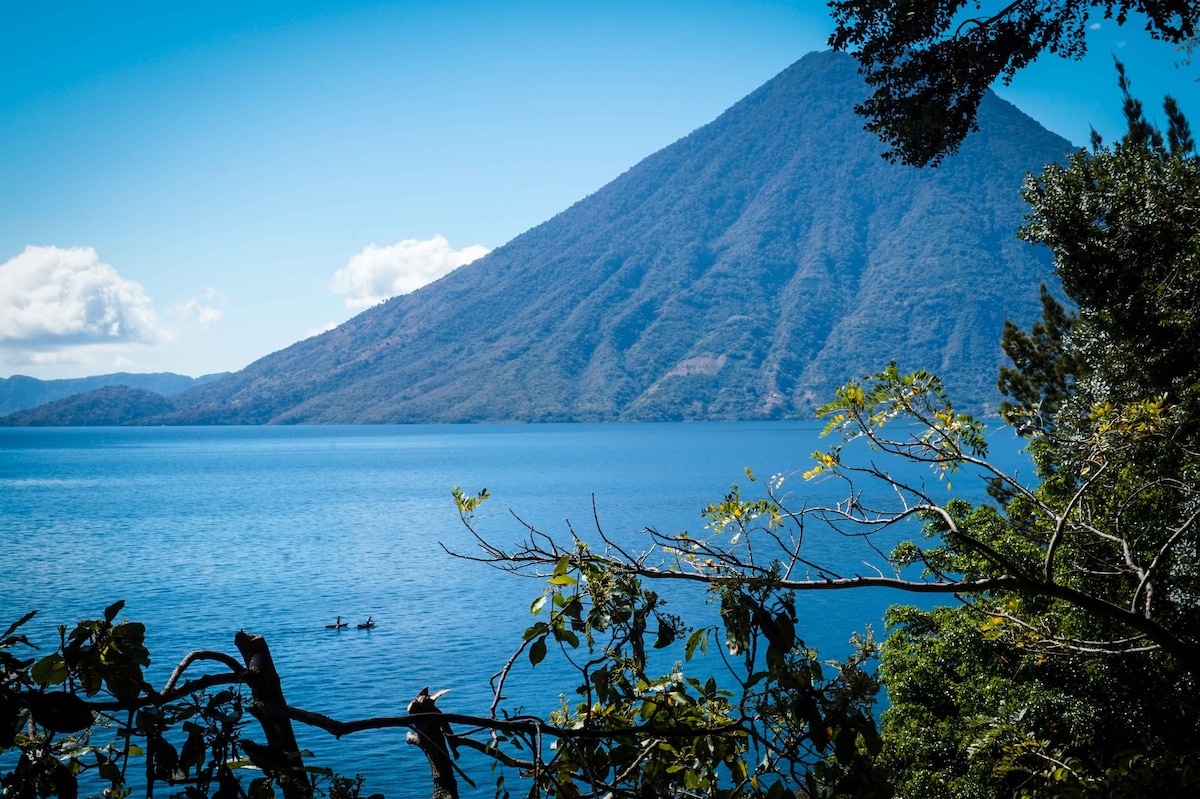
(431,738)
(281,757)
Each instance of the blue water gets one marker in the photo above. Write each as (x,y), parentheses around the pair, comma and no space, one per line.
(206,531)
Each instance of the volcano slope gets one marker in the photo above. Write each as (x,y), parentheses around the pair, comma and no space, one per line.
(743,272)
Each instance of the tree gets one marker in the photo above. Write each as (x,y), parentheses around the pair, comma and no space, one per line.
(931,62)
(1071,663)
(768,719)
(86,708)
(1073,636)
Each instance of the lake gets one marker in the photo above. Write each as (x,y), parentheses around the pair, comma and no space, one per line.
(278,530)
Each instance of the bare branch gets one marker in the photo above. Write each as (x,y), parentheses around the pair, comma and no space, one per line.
(1060,526)
(523,725)
(202,654)
(1159,557)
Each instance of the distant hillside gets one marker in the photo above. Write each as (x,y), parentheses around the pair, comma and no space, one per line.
(20,392)
(111,405)
(741,273)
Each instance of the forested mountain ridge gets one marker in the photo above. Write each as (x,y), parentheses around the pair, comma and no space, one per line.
(20,391)
(106,406)
(743,272)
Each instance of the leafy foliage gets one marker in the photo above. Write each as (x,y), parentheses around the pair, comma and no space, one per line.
(84,717)
(772,721)
(1044,367)
(931,63)
(1069,666)
(1123,227)
(1094,671)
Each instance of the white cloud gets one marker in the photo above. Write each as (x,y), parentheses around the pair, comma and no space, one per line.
(377,273)
(53,298)
(1095,26)
(203,313)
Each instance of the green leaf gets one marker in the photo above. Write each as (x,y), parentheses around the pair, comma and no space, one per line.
(872,739)
(537,605)
(110,771)
(61,781)
(13,627)
(537,651)
(541,628)
(666,635)
(566,634)
(698,639)
(50,670)
(112,610)
(60,712)
(265,757)
(260,786)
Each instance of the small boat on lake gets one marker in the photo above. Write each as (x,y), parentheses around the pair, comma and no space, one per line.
(339,624)
(368,624)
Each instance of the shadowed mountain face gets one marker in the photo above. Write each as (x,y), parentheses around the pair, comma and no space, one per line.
(110,405)
(744,272)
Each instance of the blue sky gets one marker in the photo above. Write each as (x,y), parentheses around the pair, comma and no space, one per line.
(188,187)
